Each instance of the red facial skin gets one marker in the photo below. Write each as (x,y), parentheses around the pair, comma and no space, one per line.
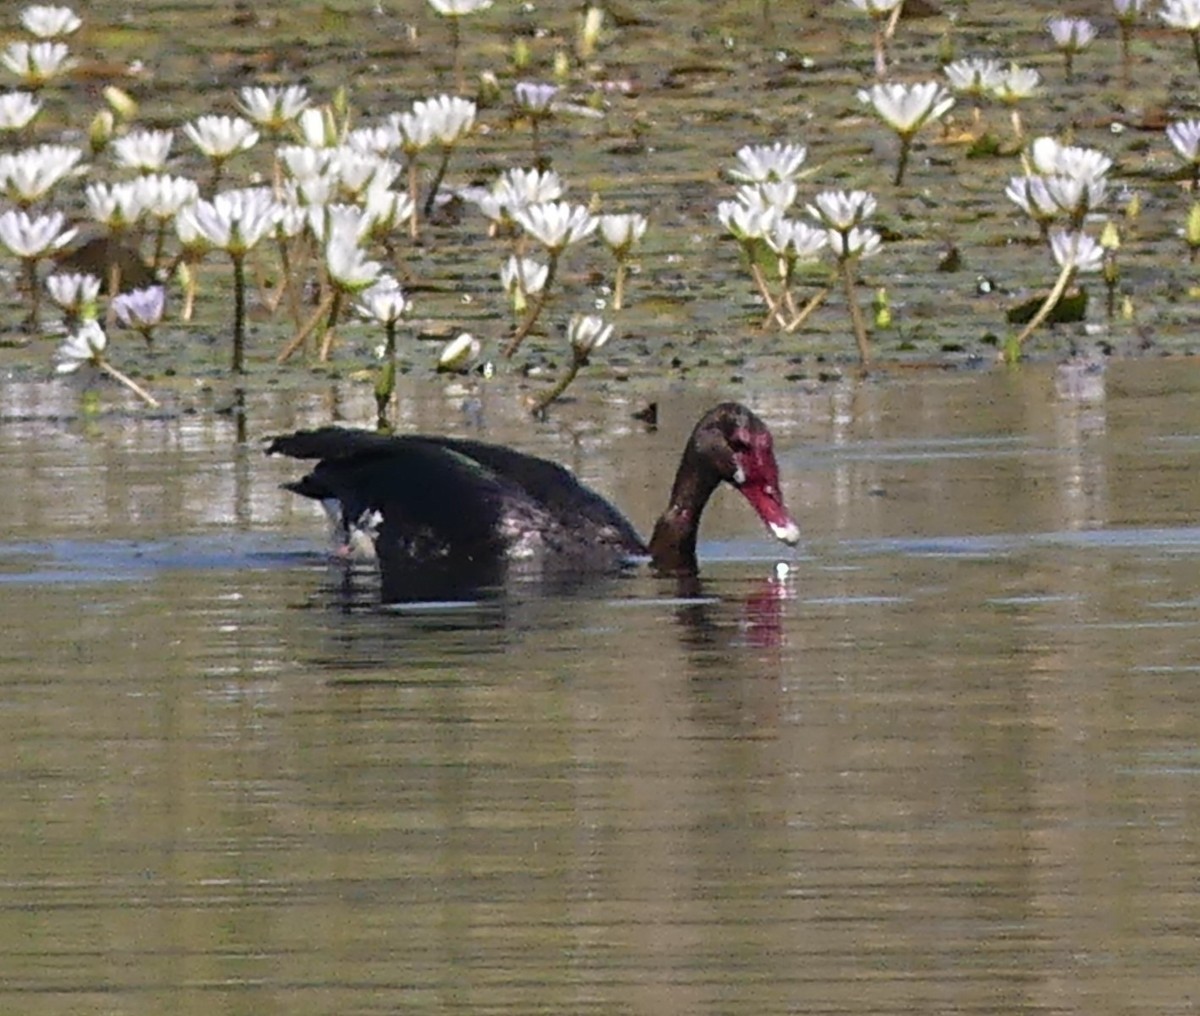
(761,484)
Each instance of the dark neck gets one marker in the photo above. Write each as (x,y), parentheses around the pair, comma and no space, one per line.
(673,545)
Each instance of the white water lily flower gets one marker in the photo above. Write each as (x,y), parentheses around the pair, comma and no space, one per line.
(748,220)
(31,237)
(777,194)
(303,162)
(1016,83)
(907,108)
(459,8)
(384,209)
(414,129)
(317,127)
(556,224)
(30,174)
(72,291)
(384,301)
(587,333)
(220,137)
(621,232)
(37,63)
(1184,136)
(48,22)
(233,221)
(975,76)
(877,8)
(347,263)
(382,140)
(1047,156)
(769,163)
(1071,35)
(85,345)
(1032,196)
(1184,14)
(518,188)
(1078,250)
(842,210)
(857,242)
(1074,196)
(117,205)
(162,195)
(273,108)
(448,118)
(145,151)
(794,240)
(17,110)
(523,277)
(1127,11)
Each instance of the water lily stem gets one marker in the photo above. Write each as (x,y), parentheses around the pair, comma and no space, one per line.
(619,285)
(301,337)
(814,302)
(760,281)
(1060,287)
(856,316)
(239,313)
(35,294)
(427,211)
(335,306)
(535,310)
(1196,48)
(129,383)
(542,401)
(414,225)
(902,162)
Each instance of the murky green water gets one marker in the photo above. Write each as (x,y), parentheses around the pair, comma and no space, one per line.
(948,763)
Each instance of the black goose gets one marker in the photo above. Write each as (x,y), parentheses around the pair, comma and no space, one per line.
(470,505)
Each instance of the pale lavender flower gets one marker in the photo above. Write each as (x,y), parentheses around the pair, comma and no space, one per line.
(141,309)
(1077,250)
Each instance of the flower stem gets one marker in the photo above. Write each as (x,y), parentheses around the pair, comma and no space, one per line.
(535,311)
(414,227)
(902,162)
(1060,287)
(1196,48)
(619,285)
(773,311)
(302,335)
(856,317)
(239,313)
(807,309)
(542,401)
(437,182)
(129,383)
(335,306)
(35,294)
(1126,56)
